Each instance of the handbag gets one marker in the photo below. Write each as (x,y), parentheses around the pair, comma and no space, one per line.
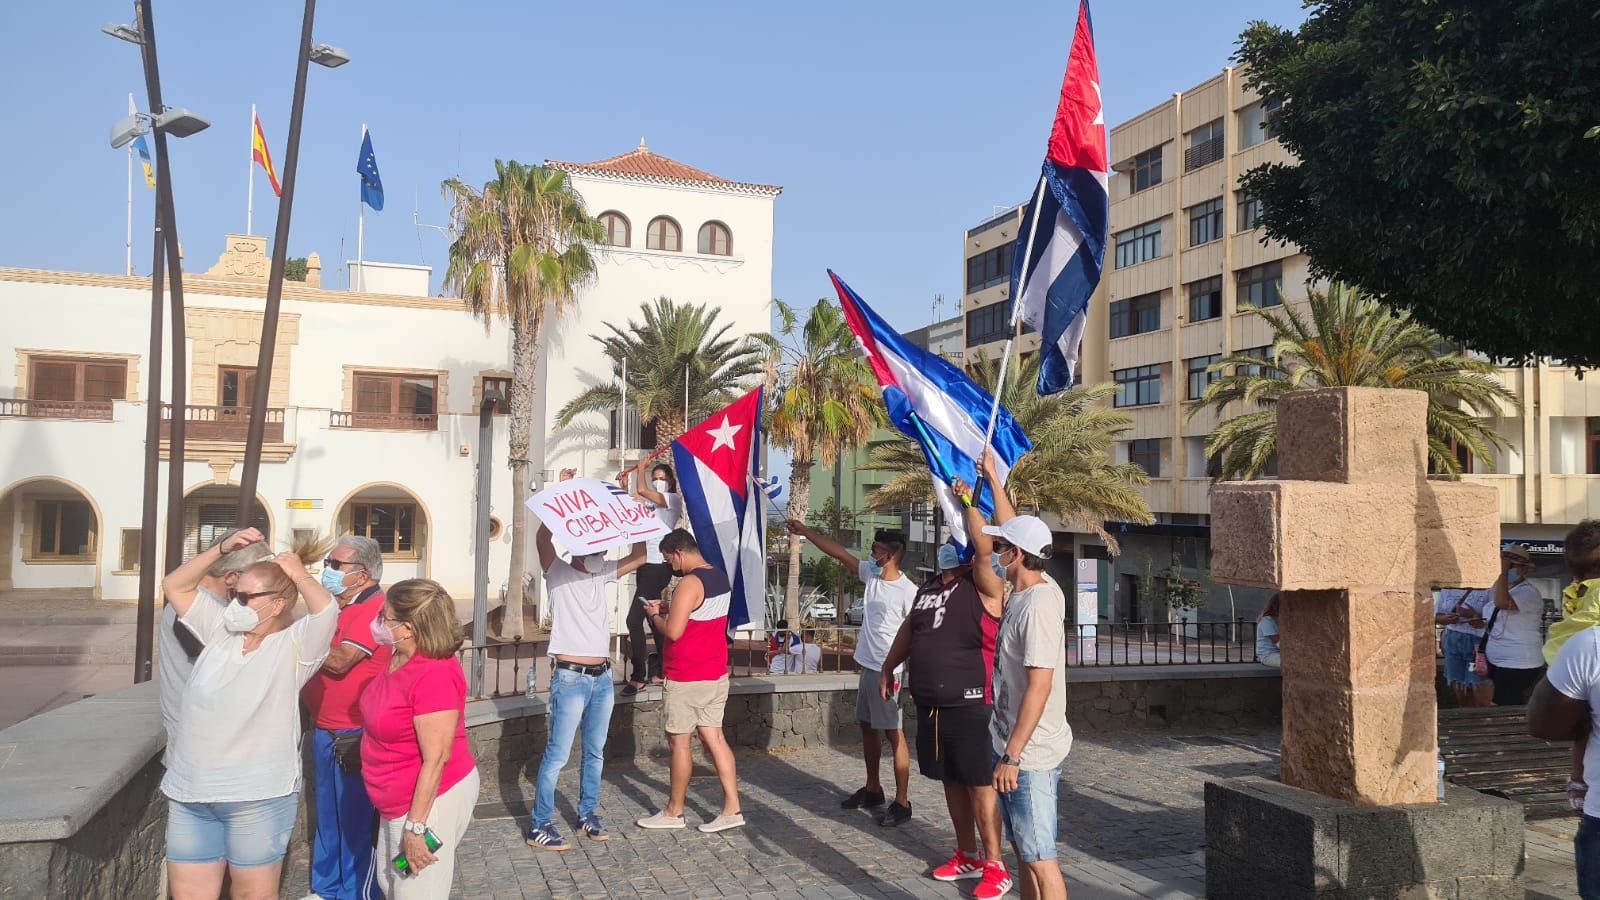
(1480,661)
(347,751)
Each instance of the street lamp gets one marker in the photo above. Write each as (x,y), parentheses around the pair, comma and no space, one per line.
(129,33)
(492,400)
(330,57)
(176,121)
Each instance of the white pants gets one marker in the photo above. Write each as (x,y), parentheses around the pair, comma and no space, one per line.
(451,814)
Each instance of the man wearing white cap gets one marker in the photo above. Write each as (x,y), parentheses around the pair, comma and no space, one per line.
(1028,731)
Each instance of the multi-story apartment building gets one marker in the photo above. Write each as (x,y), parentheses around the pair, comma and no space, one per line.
(1185,265)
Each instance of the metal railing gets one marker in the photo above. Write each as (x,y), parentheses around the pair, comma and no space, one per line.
(1202,154)
(95,410)
(339,418)
(221,423)
(1162,643)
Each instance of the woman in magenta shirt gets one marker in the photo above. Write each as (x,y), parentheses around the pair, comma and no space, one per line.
(415,758)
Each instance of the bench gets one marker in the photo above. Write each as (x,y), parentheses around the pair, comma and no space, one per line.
(1490,750)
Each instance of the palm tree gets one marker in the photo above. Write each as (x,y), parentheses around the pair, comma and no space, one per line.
(1068,472)
(521,253)
(1345,337)
(826,404)
(677,357)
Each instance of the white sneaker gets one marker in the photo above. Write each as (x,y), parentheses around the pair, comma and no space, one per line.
(723,823)
(312,897)
(662,821)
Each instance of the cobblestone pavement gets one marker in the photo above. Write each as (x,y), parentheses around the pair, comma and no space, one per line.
(1131,825)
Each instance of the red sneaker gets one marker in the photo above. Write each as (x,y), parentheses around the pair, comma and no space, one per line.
(960,866)
(996,881)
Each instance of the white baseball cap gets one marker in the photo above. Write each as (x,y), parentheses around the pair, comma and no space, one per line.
(1030,533)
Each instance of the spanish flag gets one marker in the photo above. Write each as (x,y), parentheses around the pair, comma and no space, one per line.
(258,149)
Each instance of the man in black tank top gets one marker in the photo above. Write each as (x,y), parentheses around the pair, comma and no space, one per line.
(948,643)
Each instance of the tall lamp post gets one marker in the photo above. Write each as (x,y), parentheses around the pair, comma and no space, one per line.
(180,123)
(480,558)
(322,55)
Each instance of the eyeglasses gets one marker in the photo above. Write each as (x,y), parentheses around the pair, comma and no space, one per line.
(244,599)
(337,566)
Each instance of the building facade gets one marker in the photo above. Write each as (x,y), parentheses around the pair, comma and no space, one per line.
(1185,264)
(372,426)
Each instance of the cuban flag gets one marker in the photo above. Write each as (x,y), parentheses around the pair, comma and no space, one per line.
(1055,269)
(937,405)
(715,462)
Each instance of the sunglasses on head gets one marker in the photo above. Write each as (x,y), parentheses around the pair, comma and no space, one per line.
(244,599)
(337,566)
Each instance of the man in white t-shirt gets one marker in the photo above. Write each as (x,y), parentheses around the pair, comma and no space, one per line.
(581,692)
(889,595)
(1566,707)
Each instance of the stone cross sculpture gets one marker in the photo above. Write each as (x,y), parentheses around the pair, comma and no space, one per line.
(1356,535)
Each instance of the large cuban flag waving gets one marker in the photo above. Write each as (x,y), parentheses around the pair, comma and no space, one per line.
(937,405)
(715,462)
(1057,267)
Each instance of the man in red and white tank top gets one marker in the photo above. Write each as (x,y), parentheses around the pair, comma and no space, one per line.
(694,661)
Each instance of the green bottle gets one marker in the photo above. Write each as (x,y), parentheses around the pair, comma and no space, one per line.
(429,838)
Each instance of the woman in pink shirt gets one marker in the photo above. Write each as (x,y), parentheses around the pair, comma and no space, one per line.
(415,757)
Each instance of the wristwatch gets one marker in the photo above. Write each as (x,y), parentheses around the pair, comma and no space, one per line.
(1006,760)
(415,827)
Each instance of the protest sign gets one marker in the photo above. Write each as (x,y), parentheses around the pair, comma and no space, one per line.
(586,515)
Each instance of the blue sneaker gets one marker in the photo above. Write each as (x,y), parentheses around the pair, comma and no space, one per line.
(593,830)
(545,837)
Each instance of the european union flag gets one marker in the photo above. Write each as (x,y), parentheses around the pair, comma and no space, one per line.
(367,168)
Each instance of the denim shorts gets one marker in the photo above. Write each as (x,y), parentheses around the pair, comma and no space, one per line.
(246,833)
(1460,648)
(1029,814)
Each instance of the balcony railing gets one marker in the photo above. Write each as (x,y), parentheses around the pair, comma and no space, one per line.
(221,423)
(383,421)
(94,410)
(1202,154)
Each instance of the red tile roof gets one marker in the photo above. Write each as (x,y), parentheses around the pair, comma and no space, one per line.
(641,164)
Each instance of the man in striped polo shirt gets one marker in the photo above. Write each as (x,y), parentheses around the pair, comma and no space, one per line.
(694,661)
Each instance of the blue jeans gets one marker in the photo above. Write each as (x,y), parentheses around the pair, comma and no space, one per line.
(1586,847)
(1029,814)
(576,701)
(341,850)
(1460,649)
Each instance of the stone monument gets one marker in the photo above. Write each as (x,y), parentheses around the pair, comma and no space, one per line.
(1356,536)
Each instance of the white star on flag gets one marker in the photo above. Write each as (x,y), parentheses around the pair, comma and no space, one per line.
(723,436)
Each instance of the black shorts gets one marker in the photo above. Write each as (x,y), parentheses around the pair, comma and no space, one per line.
(651,581)
(953,744)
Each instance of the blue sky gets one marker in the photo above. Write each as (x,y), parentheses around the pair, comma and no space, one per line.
(892,126)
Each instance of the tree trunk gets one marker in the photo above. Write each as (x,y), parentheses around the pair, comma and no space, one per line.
(524,372)
(799,509)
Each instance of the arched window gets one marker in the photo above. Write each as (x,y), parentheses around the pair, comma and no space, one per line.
(664,234)
(715,239)
(617,230)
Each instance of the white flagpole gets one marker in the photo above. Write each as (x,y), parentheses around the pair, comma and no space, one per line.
(1016,317)
(128,245)
(250,176)
(361,232)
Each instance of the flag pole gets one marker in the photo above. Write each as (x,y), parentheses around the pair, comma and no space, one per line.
(128,245)
(361,233)
(250,177)
(1016,326)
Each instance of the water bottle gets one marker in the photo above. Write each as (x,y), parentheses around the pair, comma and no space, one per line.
(1440,770)
(533,683)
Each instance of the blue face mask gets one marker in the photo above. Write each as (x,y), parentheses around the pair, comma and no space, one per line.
(994,560)
(876,567)
(333,580)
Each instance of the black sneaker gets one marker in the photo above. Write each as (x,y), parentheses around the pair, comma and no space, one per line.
(895,815)
(861,799)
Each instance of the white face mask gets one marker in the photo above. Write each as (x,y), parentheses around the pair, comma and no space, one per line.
(592,563)
(239,619)
(660,484)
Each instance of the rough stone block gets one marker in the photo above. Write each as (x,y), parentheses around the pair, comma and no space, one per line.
(1245,552)
(1352,435)
(1458,534)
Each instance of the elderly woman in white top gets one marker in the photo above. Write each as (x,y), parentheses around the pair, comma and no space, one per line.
(233,767)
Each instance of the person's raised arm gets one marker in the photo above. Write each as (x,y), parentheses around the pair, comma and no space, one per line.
(990,586)
(547,548)
(183,583)
(825,544)
(899,652)
(686,598)
(317,596)
(1004,510)
(631,563)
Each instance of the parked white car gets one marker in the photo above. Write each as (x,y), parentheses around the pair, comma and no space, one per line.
(824,610)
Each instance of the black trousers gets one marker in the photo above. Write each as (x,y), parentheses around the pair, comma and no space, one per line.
(1513,687)
(650,583)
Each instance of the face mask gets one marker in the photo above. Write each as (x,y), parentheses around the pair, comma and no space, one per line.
(949,558)
(999,567)
(239,619)
(591,563)
(333,580)
(877,568)
(382,633)
(660,484)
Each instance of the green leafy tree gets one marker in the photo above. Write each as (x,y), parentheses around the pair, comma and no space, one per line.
(294,268)
(826,404)
(1441,162)
(1069,472)
(677,354)
(521,253)
(834,581)
(1344,337)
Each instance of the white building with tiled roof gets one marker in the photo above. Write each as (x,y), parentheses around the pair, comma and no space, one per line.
(674,231)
